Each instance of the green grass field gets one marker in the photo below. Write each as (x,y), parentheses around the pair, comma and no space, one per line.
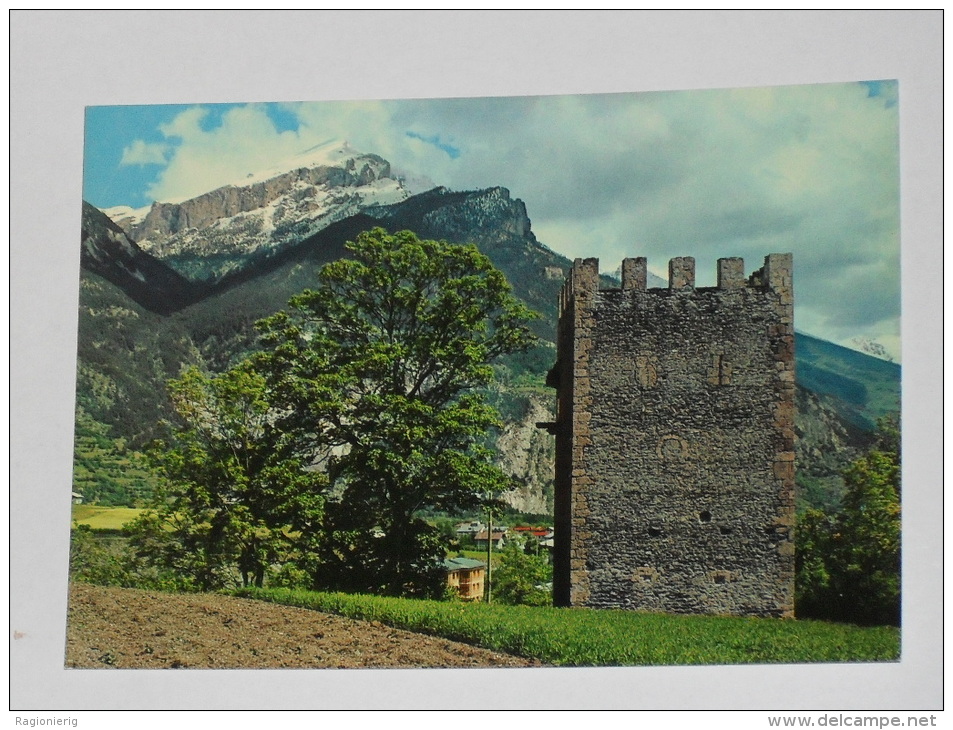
(478,555)
(104,518)
(589,637)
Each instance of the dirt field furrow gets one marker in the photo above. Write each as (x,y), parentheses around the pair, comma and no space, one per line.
(127,629)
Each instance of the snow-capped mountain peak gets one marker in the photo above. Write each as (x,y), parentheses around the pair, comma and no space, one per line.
(126,216)
(220,231)
(875,348)
(333,153)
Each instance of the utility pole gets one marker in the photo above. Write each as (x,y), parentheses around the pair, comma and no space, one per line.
(489,552)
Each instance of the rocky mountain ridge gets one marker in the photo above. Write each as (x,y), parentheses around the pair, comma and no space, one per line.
(225,229)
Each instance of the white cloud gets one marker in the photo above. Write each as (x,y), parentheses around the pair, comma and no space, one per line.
(202,160)
(145,153)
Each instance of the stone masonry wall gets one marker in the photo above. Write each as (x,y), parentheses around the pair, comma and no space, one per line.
(675,441)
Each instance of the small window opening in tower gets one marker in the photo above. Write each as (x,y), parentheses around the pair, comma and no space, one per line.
(719,372)
(654,532)
(724,371)
(704,516)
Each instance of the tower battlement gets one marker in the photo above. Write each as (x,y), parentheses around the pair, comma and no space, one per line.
(675,439)
(775,275)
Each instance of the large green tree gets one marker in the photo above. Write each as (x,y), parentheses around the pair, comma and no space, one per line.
(380,369)
(237,498)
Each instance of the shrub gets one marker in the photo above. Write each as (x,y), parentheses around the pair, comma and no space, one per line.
(519,576)
(848,564)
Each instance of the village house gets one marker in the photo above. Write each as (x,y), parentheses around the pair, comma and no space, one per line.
(466,576)
(499,539)
(469,529)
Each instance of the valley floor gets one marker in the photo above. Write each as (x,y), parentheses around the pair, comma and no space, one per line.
(127,628)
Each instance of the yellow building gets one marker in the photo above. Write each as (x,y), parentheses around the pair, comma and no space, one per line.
(466,576)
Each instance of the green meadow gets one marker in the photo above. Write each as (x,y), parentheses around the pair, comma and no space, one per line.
(103,518)
(591,637)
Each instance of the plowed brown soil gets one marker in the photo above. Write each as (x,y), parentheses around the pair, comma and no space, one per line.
(126,628)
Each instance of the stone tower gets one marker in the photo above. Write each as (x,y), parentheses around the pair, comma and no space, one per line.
(675,440)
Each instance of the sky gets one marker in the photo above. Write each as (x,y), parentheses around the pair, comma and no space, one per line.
(808,169)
